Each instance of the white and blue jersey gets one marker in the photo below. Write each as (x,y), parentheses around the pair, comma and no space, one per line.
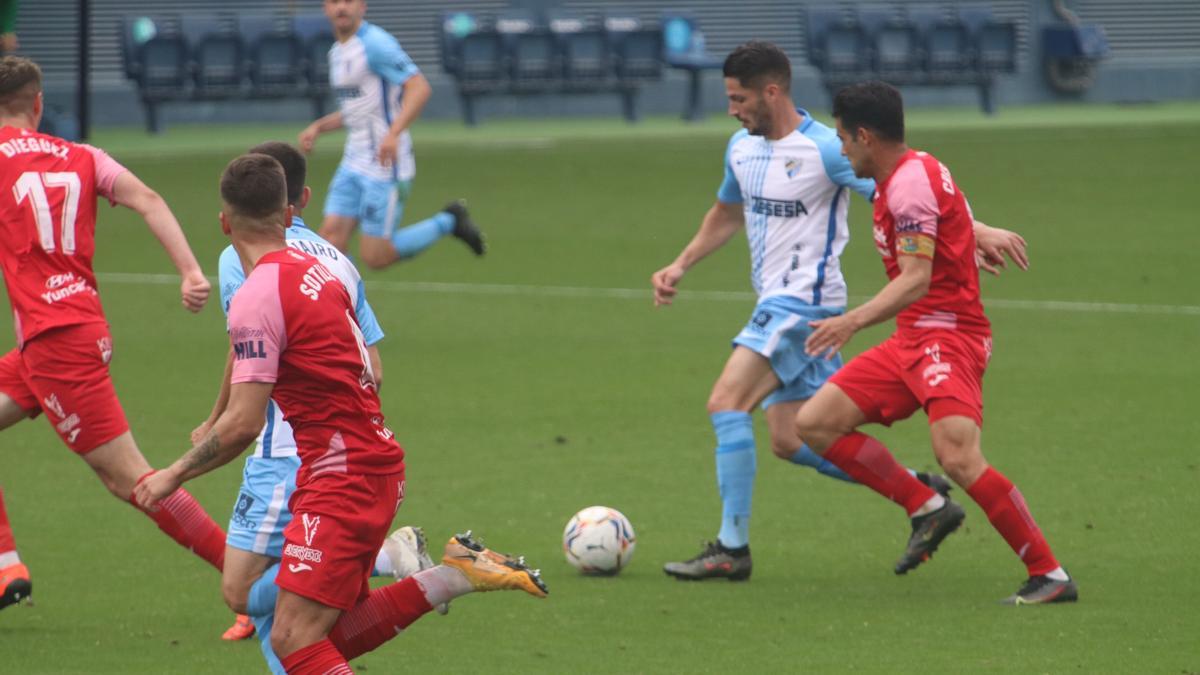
(276,439)
(366,73)
(795,196)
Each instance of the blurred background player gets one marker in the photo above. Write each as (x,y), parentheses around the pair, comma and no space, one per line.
(295,339)
(786,184)
(8,26)
(48,193)
(934,361)
(260,514)
(380,93)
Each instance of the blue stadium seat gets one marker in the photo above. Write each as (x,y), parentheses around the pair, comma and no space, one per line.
(993,43)
(818,21)
(155,56)
(273,56)
(315,36)
(636,48)
(216,53)
(582,49)
(529,50)
(892,43)
(946,50)
(684,48)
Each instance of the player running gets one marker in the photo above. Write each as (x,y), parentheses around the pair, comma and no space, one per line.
(787,185)
(934,361)
(48,193)
(260,514)
(380,93)
(295,341)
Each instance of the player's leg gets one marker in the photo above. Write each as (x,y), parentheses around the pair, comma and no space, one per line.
(342,205)
(955,434)
(870,389)
(17,402)
(383,242)
(15,584)
(300,635)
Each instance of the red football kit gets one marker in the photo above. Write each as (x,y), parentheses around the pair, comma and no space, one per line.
(48,193)
(936,358)
(292,324)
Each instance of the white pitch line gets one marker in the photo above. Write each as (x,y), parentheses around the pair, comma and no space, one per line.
(530,290)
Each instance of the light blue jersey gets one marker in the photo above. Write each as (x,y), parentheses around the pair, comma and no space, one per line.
(276,439)
(795,201)
(366,74)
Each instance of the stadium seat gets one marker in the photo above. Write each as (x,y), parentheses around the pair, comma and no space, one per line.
(581,48)
(216,55)
(315,38)
(993,43)
(528,49)
(155,56)
(272,56)
(684,48)
(636,57)
(472,52)
(818,21)
(892,43)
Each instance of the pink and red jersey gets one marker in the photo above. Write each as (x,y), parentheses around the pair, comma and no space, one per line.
(48,190)
(920,211)
(292,324)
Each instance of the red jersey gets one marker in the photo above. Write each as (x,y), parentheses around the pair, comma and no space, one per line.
(48,190)
(920,211)
(292,323)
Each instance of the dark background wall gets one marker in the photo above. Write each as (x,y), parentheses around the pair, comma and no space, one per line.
(1155,52)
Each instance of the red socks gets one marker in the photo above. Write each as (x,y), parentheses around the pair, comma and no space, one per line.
(374,621)
(7,543)
(869,463)
(182,518)
(1006,509)
(319,658)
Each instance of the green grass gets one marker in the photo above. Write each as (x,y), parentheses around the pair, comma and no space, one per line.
(517,409)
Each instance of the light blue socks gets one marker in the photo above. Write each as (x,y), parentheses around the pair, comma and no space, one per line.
(806,457)
(736,464)
(260,605)
(411,240)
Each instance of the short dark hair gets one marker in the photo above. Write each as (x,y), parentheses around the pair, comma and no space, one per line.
(757,62)
(254,186)
(874,105)
(295,167)
(20,82)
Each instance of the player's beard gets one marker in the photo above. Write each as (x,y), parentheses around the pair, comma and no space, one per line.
(761,121)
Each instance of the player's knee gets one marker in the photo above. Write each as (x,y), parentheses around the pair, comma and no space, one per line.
(281,639)
(812,429)
(723,400)
(376,257)
(959,456)
(784,448)
(235,593)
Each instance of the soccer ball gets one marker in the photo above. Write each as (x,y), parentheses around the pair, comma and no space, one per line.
(599,540)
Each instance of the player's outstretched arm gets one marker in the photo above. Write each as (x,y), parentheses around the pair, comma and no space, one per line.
(236,429)
(219,405)
(721,222)
(830,335)
(993,245)
(129,191)
(308,138)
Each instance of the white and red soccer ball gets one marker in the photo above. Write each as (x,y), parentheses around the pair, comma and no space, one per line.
(599,540)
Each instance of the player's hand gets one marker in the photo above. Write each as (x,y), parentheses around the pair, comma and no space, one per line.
(829,336)
(195,290)
(664,282)
(156,487)
(993,245)
(201,431)
(387,150)
(308,138)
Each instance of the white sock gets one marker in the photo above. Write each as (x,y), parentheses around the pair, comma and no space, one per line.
(383,565)
(9,559)
(442,584)
(935,502)
(1058,574)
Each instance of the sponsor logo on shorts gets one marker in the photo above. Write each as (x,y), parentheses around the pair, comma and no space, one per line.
(297,568)
(310,527)
(302,553)
(241,512)
(70,427)
(104,344)
(937,372)
(51,403)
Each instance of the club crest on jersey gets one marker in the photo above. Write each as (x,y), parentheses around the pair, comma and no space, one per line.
(310,527)
(791,166)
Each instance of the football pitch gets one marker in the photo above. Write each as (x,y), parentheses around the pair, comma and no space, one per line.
(540,380)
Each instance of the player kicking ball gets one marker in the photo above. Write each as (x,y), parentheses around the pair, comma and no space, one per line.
(380,93)
(933,362)
(295,341)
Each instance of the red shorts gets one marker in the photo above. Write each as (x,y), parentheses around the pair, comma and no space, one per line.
(64,372)
(938,370)
(339,521)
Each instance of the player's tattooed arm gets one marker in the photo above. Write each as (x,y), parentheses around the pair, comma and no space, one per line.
(201,457)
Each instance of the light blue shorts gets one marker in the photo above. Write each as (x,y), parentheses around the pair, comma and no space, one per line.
(777,329)
(261,511)
(376,204)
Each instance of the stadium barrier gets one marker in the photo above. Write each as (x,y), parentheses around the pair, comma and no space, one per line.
(911,45)
(220,57)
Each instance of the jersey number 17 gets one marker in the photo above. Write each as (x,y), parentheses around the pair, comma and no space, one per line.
(32,185)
